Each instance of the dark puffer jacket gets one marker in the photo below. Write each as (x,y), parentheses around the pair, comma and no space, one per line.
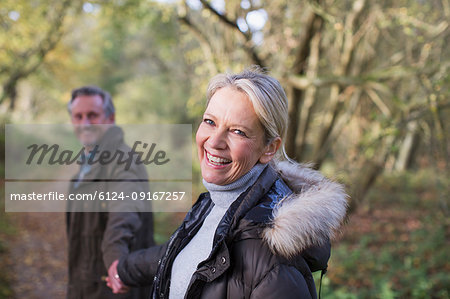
(266,245)
(96,239)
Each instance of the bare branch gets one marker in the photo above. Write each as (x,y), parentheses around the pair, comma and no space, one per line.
(204,42)
(432,29)
(374,79)
(313,25)
(248,45)
(419,111)
(225,19)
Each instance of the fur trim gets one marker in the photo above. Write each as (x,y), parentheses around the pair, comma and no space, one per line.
(310,216)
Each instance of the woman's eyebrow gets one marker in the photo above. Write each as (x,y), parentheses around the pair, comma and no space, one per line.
(207,114)
(233,125)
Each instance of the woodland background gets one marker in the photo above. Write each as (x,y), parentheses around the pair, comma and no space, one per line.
(368,85)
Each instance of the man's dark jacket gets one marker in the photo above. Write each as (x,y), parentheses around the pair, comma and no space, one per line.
(266,245)
(96,239)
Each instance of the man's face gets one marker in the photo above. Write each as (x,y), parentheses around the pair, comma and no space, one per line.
(89,119)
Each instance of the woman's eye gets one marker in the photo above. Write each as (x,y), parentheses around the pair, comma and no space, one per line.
(239,132)
(208,121)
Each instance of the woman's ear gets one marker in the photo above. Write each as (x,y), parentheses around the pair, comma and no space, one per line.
(270,150)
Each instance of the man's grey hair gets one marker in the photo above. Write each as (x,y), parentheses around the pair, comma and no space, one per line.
(108,106)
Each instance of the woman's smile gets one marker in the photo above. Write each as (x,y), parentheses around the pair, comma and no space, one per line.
(217,161)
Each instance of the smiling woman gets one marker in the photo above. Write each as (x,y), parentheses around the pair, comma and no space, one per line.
(230,139)
(265,223)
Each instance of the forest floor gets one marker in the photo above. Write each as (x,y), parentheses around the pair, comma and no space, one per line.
(33,253)
(36,259)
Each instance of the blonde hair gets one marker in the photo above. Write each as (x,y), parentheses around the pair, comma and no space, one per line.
(267,97)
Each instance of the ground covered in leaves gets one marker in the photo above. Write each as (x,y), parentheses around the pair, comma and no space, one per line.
(35,256)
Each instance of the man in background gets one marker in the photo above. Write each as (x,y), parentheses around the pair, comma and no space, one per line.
(98,239)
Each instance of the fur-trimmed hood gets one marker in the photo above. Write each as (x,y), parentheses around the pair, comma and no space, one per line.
(308,217)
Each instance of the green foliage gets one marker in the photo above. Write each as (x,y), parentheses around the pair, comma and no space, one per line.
(374,269)
(398,247)
(165,225)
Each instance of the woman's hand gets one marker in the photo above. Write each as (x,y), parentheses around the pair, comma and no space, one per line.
(113,281)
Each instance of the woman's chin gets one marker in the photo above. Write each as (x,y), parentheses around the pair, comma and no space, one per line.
(213,179)
(216,177)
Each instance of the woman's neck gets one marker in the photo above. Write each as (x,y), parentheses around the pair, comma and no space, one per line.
(224,195)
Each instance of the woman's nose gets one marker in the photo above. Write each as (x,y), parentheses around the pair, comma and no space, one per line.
(217,139)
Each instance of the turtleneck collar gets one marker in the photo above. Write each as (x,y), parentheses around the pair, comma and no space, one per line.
(224,195)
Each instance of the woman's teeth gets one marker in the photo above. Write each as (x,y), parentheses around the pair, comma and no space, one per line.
(216,160)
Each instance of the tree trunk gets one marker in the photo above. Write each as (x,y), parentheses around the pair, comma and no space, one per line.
(408,147)
(335,102)
(310,93)
(313,24)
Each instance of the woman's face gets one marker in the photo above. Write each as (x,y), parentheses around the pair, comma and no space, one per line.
(230,139)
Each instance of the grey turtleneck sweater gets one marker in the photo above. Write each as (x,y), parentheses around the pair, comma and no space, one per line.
(200,246)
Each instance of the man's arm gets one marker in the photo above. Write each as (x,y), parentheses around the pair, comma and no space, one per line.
(122,227)
(119,233)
